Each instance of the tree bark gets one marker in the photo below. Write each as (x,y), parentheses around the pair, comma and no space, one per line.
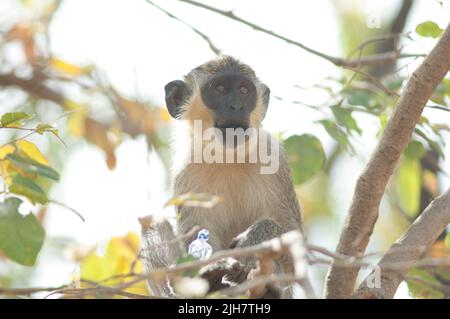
(370,186)
(409,248)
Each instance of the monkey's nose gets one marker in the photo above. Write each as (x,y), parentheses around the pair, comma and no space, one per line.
(236,107)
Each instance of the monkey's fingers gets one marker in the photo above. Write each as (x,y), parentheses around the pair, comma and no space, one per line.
(224,273)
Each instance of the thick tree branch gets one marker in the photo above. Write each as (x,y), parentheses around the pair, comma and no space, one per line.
(371,184)
(422,233)
(376,59)
(32,86)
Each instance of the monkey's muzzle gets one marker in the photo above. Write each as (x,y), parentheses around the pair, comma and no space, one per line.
(232,134)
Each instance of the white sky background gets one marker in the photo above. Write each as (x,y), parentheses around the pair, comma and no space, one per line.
(141,49)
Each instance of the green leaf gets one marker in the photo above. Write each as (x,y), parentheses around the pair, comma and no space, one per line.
(394,84)
(429,29)
(21,237)
(447,86)
(306,156)
(337,134)
(31,166)
(23,186)
(415,150)
(422,290)
(187,259)
(383,123)
(447,240)
(344,117)
(442,91)
(408,185)
(12,119)
(357,97)
(433,144)
(42,128)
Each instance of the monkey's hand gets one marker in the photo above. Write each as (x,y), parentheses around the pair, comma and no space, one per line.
(229,272)
(264,229)
(224,273)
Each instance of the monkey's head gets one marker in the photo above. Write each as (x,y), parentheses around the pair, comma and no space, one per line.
(222,93)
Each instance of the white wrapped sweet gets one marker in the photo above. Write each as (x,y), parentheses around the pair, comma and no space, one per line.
(200,248)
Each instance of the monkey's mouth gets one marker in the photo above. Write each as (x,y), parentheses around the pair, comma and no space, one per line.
(233,133)
(231,126)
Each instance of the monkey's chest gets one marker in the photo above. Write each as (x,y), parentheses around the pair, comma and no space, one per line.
(247,197)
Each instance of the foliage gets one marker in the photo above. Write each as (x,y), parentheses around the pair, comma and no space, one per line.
(22,166)
(432,282)
(111,269)
(306,156)
(21,237)
(77,93)
(429,29)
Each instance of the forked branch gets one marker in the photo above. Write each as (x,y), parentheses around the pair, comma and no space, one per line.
(371,185)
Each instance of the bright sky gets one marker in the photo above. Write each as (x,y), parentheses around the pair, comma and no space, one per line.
(141,49)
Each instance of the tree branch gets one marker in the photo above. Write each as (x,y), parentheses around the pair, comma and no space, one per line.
(212,46)
(32,86)
(371,184)
(391,44)
(422,233)
(376,59)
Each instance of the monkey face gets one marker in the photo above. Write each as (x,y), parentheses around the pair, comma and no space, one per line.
(224,93)
(232,98)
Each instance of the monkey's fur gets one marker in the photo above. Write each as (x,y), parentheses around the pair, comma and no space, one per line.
(255,207)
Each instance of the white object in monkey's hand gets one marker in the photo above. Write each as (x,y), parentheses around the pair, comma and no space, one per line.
(200,248)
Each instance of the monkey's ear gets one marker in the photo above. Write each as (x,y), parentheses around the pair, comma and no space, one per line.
(265,98)
(177,92)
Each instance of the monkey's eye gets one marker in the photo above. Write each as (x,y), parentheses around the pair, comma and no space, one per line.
(243,90)
(220,88)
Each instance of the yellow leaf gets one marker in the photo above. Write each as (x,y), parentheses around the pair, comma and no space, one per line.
(66,67)
(191,199)
(5,150)
(31,150)
(408,185)
(73,106)
(5,166)
(126,247)
(120,259)
(76,123)
(95,268)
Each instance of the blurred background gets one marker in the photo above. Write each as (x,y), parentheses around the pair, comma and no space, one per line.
(95,71)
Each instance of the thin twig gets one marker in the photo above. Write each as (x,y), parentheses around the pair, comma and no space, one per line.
(442,108)
(182,237)
(212,46)
(67,207)
(374,80)
(376,59)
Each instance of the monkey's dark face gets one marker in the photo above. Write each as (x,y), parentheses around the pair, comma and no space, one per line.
(232,98)
(224,92)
